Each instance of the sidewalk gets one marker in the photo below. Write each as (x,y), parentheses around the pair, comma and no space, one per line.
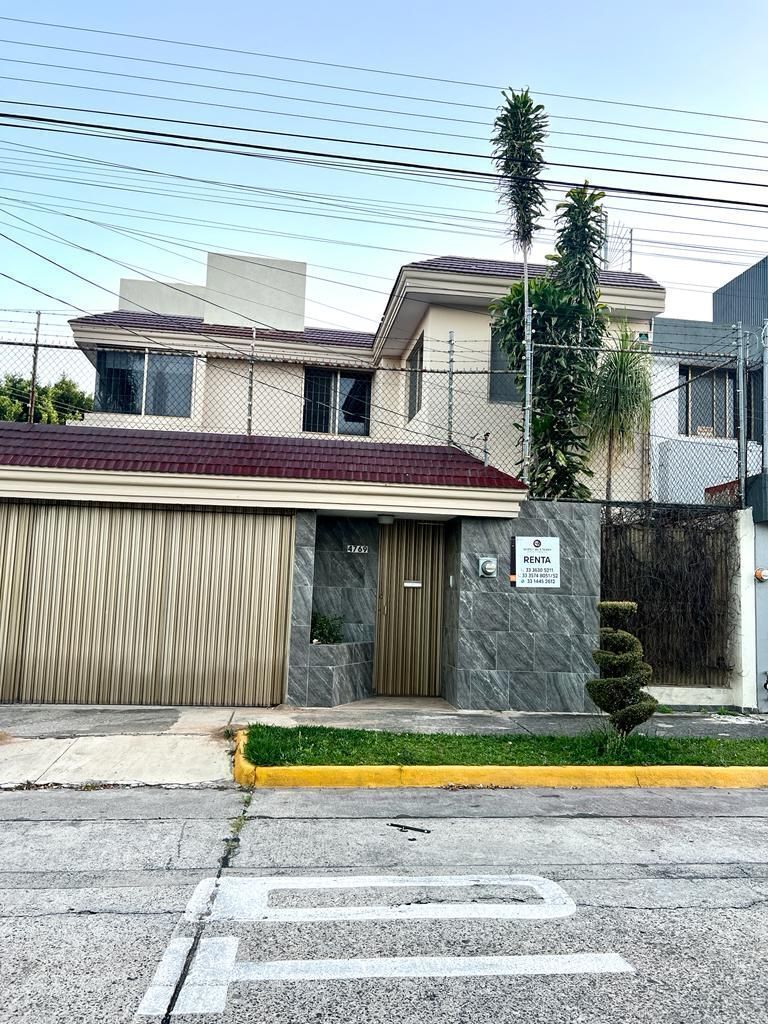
(75,745)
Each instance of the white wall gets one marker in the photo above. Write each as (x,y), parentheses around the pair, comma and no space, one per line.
(255,292)
(174,299)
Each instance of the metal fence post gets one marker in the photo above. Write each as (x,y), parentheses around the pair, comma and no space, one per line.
(764,432)
(451,347)
(528,400)
(249,425)
(741,375)
(33,380)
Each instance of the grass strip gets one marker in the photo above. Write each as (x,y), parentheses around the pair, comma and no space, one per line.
(273,745)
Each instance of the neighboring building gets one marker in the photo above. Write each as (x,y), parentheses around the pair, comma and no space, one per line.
(744,297)
(242,472)
(694,416)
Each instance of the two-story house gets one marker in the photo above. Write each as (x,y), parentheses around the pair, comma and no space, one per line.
(242,474)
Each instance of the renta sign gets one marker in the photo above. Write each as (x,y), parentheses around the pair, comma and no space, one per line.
(535,562)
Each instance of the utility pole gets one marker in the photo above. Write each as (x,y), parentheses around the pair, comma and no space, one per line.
(630,250)
(741,379)
(450,385)
(764,433)
(33,381)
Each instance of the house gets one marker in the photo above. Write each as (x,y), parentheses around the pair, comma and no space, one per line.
(242,472)
(694,417)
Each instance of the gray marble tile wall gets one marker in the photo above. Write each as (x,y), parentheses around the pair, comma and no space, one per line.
(528,650)
(301,608)
(344,584)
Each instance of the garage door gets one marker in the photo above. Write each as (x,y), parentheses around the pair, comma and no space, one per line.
(142,605)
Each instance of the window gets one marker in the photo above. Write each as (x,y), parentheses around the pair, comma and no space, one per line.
(707,402)
(336,402)
(502,387)
(139,383)
(415,365)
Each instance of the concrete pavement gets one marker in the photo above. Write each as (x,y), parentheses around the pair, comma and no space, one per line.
(73,745)
(383,906)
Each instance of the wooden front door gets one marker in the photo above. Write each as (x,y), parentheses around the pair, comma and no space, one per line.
(409,616)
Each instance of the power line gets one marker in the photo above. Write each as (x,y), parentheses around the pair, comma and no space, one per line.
(271,152)
(370,70)
(353,142)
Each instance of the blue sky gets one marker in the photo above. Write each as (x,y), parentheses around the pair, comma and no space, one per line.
(354,229)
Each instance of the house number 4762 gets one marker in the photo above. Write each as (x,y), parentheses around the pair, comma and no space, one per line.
(357,549)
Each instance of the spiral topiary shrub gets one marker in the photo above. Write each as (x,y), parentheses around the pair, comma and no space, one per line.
(623,673)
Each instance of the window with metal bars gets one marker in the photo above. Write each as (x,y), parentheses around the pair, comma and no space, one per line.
(707,402)
(336,402)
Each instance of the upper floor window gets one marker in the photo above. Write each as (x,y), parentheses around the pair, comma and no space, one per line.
(707,402)
(502,387)
(415,366)
(336,402)
(143,383)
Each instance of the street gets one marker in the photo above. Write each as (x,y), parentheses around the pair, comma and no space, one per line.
(292,906)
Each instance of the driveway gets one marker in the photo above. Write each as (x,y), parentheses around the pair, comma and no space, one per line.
(366,907)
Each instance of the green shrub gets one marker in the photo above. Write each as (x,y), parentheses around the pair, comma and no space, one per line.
(616,614)
(327,629)
(623,673)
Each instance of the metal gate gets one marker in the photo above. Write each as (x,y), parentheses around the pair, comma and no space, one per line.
(112,605)
(409,618)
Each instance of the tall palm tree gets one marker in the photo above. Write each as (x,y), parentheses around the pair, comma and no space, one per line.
(620,402)
(519,130)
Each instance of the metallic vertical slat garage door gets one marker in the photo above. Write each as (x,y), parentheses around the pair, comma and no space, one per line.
(410,609)
(111,605)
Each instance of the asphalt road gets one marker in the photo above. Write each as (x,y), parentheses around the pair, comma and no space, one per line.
(529,905)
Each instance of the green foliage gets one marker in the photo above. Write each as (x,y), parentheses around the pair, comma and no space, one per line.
(623,673)
(579,248)
(616,614)
(620,400)
(327,629)
(60,402)
(519,130)
(562,377)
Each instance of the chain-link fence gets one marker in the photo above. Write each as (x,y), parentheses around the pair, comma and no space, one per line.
(688,455)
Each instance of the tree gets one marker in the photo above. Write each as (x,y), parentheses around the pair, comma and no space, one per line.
(623,673)
(569,325)
(620,402)
(519,130)
(60,402)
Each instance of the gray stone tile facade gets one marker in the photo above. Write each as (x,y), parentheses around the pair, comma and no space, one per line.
(344,584)
(521,649)
(501,648)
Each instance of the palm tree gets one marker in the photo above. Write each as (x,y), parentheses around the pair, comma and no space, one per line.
(620,402)
(519,130)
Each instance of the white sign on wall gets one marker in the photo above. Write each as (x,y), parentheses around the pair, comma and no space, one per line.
(535,562)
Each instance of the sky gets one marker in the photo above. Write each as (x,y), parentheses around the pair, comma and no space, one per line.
(105,208)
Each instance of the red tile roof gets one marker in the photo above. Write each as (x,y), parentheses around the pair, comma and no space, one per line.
(503,268)
(302,458)
(138,322)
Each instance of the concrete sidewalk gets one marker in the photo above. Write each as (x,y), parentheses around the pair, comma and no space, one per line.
(76,745)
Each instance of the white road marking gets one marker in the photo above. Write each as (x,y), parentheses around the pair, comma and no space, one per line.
(215,967)
(233,898)
(431,967)
(247,899)
(166,977)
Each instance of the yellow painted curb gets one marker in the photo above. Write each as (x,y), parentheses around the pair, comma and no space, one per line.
(506,776)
